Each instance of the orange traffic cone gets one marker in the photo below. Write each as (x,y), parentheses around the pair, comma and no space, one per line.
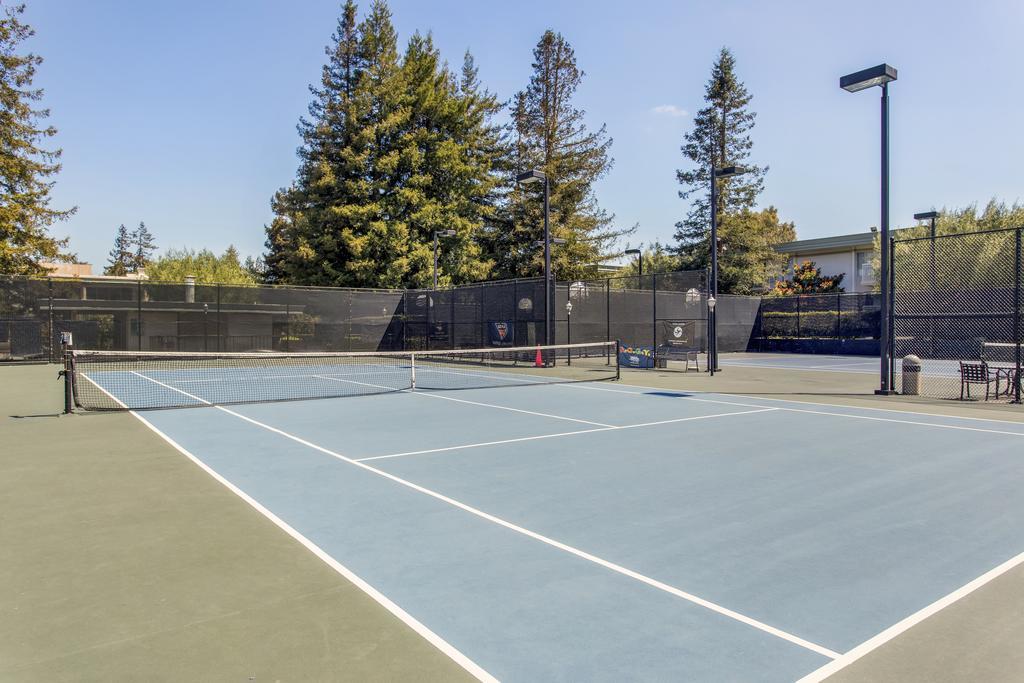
(539,360)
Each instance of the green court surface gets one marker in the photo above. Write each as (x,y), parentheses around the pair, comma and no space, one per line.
(123,560)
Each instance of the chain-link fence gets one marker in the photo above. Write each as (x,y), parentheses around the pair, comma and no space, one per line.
(820,323)
(957,306)
(658,313)
(118,315)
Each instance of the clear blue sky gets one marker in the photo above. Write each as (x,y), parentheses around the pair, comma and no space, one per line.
(183,113)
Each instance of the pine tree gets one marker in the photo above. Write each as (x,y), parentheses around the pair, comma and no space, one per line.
(122,256)
(551,135)
(144,246)
(25,167)
(302,241)
(394,150)
(720,137)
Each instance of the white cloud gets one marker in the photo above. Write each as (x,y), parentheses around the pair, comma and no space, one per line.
(670,110)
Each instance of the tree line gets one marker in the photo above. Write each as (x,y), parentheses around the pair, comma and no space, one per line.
(397,148)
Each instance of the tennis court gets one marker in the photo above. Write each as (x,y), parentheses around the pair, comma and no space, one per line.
(534,529)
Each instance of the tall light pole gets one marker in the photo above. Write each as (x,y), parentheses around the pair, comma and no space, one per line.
(716,173)
(640,260)
(439,233)
(528,178)
(881,76)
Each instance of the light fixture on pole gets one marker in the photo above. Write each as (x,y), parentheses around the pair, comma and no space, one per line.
(880,76)
(928,216)
(439,233)
(716,173)
(640,260)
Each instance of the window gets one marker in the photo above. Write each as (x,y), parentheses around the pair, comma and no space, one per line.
(865,272)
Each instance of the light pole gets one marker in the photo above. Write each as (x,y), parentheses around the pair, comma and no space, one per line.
(881,76)
(640,260)
(439,233)
(716,173)
(528,178)
(568,331)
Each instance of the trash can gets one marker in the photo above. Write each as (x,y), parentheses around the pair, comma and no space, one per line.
(911,376)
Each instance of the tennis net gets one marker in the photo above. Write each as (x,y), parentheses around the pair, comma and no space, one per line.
(127,380)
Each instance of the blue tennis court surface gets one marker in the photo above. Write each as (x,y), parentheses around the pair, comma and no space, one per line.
(602,531)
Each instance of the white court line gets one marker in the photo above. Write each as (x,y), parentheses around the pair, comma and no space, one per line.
(560,434)
(899,421)
(734,364)
(113,398)
(475,403)
(417,626)
(896,629)
(236,377)
(619,569)
(707,400)
(839,406)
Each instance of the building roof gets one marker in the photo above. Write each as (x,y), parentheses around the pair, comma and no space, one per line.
(860,240)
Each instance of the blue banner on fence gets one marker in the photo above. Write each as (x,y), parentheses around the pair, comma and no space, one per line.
(500,333)
(636,356)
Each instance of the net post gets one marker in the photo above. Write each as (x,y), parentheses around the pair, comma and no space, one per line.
(412,371)
(67,373)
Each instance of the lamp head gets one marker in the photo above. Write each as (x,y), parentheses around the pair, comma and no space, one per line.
(531,176)
(728,171)
(868,78)
(926,215)
(632,252)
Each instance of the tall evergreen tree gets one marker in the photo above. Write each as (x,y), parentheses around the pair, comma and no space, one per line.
(144,245)
(25,167)
(720,137)
(303,245)
(122,256)
(394,150)
(550,134)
